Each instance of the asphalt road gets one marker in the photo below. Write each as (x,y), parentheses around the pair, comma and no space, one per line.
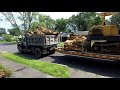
(79,67)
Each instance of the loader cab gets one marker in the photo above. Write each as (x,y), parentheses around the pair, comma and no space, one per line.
(98,35)
(104,29)
(95,31)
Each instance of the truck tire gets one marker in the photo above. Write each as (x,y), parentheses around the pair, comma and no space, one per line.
(52,51)
(38,52)
(20,49)
(96,49)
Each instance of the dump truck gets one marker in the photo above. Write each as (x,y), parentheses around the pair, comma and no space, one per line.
(102,42)
(38,42)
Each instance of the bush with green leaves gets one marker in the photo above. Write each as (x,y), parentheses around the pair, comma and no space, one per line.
(8,37)
(14,38)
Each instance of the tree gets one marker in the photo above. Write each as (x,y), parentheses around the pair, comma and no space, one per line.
(7,37)
(15,18)
(46,21)
(14,32)
(71,25)
(115,20)
(83,21)
(11,18)
(27,18)
(43,21)
(2,31)
(61,25)
(36,24)
(96,21)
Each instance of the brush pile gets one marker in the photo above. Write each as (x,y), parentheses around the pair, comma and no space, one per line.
(41,31)
(75,43)
(4,73)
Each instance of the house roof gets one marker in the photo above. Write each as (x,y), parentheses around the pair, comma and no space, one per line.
(60,34)
(64,34)
(81,33)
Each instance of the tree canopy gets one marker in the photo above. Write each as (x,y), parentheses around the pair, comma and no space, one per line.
(83,21)
(23,21)
(115,20)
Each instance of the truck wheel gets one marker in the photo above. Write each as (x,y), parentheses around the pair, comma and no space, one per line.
(38,52)
(52,52)
(96,49)
(20,49)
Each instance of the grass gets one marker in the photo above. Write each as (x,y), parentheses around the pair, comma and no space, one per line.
(46,67)
(4,72)
(2,41)
(61,44)
(6,42)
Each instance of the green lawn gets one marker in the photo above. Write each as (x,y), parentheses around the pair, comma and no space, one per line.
(6,42)
(4,72)
(61,44)
(46,67)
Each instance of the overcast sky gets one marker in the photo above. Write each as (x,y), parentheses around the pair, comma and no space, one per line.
(56,15)
(53,15)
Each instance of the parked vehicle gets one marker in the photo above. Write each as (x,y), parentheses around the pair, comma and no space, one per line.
(38,44)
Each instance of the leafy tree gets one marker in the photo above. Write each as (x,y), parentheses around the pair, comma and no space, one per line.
(11,18)
(14,31)
(34,25)
(115,20)
(43,21)
(8,37)
(96,21)
(71,25)
(83,21)
(30,20)
(46,21)
(2,31)
(27,18)
(61,24)
(15,18)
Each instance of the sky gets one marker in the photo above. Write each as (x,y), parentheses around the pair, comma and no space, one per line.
(53,15)
(56,15)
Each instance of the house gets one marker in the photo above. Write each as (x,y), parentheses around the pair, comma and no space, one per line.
(85,33)
(63,36)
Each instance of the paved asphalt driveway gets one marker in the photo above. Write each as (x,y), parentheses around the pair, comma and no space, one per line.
(79,67)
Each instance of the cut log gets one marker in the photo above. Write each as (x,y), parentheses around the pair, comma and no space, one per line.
(41,31)
(75,42)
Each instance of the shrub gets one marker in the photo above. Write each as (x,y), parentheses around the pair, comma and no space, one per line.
(4,72)
(8,37)
(14,38)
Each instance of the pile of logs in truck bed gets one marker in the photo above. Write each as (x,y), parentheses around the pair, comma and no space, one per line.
(41,31)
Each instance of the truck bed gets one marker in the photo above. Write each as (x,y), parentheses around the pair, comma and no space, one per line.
(90,55)
(42,40)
